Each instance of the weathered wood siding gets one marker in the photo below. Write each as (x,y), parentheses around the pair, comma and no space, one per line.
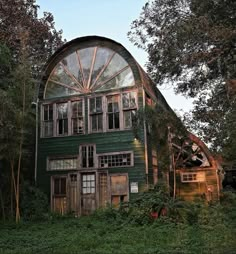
(105,143)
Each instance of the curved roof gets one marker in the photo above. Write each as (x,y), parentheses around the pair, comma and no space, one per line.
(88,64)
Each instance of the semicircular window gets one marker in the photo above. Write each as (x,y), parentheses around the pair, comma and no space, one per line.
(88,70)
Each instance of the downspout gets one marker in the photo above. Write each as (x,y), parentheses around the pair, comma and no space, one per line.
(36,142)
(145,140)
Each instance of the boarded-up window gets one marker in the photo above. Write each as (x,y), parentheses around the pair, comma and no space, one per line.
(119,188)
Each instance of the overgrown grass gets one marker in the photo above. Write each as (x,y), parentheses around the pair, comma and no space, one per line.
(122,231)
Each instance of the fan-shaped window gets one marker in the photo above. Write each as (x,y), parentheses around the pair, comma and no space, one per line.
(88,70)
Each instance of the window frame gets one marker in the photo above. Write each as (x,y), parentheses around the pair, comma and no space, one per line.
(64,120)
(116,153)
(73,118)
(91,114)
(113,113)
(62,158)
(87,156)
(129,109)
(43,121)
(200,177)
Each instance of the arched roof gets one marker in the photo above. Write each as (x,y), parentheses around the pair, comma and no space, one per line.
(88,64)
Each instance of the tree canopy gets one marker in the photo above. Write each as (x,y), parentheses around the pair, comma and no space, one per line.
(191,44)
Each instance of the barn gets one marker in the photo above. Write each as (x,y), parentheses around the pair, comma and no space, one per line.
(87,153)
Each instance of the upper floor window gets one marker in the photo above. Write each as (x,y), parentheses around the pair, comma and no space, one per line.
(129,108)
(96,114)
(62,119)
(113,112)
(47,125)
(77,117)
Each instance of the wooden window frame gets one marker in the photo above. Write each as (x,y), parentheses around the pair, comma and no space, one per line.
(78,117)
(62,158)
(91,114)
(196,177)
(87,156)
(43,121)
(116,153)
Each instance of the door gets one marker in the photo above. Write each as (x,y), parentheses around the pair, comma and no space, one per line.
(88,193)
(74,193)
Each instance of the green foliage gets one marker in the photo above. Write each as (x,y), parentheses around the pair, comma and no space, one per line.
(191,44)
(106,234)
(34,203)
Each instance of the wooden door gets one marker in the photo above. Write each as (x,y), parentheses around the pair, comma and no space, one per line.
(88,193)
(74,206)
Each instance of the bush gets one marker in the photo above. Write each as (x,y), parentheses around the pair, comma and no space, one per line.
(34,203)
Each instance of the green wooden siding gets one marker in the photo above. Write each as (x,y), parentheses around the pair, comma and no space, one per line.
(105,143)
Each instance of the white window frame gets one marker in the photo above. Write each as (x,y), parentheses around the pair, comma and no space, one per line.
(200,177)
(116,153)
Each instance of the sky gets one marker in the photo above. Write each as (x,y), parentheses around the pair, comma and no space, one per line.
(108,18)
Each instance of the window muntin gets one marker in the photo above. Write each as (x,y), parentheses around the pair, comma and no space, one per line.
(59,186)
(88,70)
(96,114)
(113,114)
(77,119)
(87,156)
(88,183)
(192,177)
(115,160)
(129,105)
(48,120)
(62,119)
(63,163)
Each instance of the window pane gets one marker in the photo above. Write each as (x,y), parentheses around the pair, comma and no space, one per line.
(62,110)
(102,57)
(54,90)
(63,186)
(124,79)
(72,64)
(86,56)
(57,186)
(117,120)
(117,63)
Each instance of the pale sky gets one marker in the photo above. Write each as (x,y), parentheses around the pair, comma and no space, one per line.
(108,18)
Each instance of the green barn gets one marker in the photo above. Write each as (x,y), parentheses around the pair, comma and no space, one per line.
(87,154)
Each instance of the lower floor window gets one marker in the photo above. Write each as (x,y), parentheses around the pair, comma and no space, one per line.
(115,160)
(88,183)
(192,177)
(59,186)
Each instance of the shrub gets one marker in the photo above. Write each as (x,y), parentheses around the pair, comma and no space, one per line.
(34,203)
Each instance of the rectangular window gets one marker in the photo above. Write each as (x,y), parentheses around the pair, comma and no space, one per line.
(115,160)
(59,186)
(129,108)
(192,177)
(96,114)
(77,117)
(62,119)
(113,114)
(63,163)
(88,183)
(48,120)
(87,155)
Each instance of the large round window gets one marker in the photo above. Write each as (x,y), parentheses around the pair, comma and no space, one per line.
(88,70)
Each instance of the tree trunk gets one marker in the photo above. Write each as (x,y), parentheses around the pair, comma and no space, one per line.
(2,206)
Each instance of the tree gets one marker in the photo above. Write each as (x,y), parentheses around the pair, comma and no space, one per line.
(26,42)
(20,15)
(191,44)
